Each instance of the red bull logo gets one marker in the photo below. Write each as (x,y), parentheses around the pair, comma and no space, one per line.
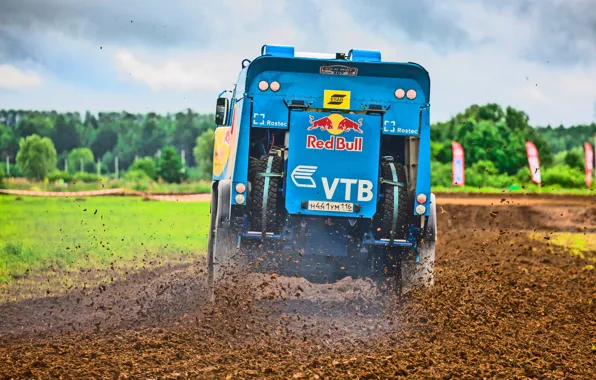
(335,124)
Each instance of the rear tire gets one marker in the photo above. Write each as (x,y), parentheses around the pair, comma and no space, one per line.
(274,201)
(389,280)
(384,217)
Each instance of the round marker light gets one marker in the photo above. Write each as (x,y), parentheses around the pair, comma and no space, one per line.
(400,93)
(421,198)
(420,209)
(263,85)
(274,86)
(240,188)
(411,94)
(239,199)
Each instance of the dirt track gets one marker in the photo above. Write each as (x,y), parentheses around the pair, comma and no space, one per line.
(504,306)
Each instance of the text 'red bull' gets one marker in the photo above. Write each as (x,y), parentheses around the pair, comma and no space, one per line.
(334,143)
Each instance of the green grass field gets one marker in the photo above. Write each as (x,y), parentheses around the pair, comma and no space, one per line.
(38,234)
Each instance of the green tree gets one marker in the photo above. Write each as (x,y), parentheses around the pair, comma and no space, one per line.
(36,157)
(8,142)
(34,124)
(146,165)
(170,166)
(65,135)
(574,158)
(75,157)
(203,153)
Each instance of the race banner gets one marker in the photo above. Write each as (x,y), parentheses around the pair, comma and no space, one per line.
(458,177)
(589,163)
(533,162)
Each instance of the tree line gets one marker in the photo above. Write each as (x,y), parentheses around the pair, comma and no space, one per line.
(493,138)
(101,138)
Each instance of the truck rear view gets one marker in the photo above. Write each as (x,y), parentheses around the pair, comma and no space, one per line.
(322,170)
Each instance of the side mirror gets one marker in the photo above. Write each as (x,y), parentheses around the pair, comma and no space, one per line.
(221,111)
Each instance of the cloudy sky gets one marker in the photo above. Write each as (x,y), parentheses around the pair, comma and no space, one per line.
(165,56)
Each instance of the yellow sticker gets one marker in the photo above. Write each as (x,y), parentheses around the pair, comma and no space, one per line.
(336,99)
(221,151)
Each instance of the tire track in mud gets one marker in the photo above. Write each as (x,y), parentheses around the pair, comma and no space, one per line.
(503,306)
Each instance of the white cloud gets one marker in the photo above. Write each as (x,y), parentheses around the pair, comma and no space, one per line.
(188,66)
(13,78)
(199,71)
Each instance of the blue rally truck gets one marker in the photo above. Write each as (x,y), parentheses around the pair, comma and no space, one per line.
(322,170)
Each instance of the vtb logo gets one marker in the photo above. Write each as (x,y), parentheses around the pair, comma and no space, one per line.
(336,99)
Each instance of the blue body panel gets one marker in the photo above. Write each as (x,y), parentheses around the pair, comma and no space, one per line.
(332,158)
(423,180)
(370,84)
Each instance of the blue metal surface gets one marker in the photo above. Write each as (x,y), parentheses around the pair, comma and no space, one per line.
(333,158)
(369,240)
(307,71)
(402,118)
(423,177)
(364,55)
(278,50)
(238,166)
(269,112)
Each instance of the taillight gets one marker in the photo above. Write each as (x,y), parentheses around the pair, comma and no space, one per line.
(263,85)
(421,198)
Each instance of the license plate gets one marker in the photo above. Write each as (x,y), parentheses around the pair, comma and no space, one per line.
(330,206)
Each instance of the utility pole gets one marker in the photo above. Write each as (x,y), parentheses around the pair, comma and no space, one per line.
(81,165)
(98,169)
(116,165)
(183,158)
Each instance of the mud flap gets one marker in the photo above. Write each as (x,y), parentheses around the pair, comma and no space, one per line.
(226,260)
(419,271)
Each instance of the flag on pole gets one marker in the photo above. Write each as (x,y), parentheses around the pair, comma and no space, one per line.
(533,162)
(588,163)
(458,177)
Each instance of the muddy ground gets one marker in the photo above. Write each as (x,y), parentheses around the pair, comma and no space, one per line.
(504,305)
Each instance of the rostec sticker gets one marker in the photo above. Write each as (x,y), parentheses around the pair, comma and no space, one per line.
(336,99)
(335,124)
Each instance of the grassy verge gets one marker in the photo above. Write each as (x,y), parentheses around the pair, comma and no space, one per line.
(582,245)
(69,234)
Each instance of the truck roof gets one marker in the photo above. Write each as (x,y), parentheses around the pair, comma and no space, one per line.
(361,63)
